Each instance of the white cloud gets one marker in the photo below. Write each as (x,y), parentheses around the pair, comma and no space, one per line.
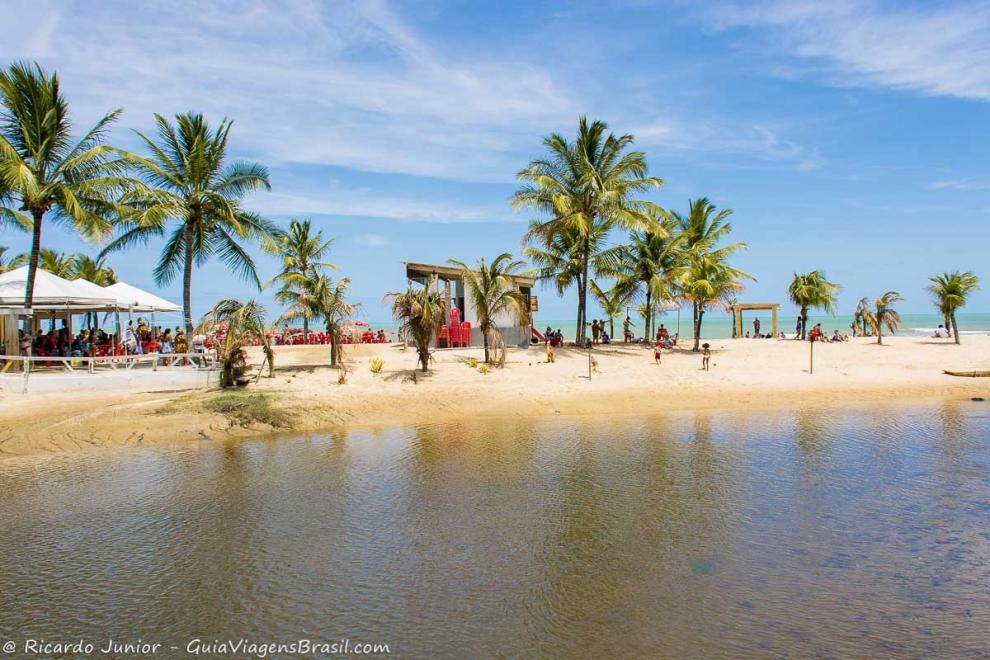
(331,83)
(935,49)
(962,184)
(371,240)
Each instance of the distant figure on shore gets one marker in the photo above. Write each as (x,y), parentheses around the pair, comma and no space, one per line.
(941,332)
(596,332)
(797,329)
(656,352)
(706,356)
(756,327)
(551,352)
(626,330)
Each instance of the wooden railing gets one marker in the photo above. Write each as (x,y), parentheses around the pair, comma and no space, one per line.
(152,361)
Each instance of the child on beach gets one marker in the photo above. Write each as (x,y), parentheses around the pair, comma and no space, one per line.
(656,352)
(706,356)
(551,353)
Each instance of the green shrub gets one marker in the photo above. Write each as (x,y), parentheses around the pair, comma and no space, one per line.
(376,365)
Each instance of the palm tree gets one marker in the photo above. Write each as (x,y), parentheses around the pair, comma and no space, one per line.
(300,252)
(612,301)
(315,297)
(652,263)
(812,291)
(584,186)
(195,190)
(5,265)
(880,314)
(710,283)
(243,325)
(93,270)
(703,229)
(419,311)
(950,291)
(76,184)
(493,293)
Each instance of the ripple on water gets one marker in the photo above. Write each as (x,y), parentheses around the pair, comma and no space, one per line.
(861,532)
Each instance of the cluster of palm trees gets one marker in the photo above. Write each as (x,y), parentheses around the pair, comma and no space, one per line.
(587,188)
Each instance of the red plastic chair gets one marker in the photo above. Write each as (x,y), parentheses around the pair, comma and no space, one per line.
(455,334)
(443,335)
(466,333)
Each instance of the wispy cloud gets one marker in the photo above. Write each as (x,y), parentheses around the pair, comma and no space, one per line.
(933,48)
(962,184)
(371,240)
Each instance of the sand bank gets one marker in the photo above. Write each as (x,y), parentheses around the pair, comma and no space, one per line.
(746,373)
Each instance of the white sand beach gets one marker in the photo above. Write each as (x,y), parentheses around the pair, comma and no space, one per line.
(745,373)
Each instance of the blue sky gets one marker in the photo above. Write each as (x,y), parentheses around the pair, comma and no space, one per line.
(848,136)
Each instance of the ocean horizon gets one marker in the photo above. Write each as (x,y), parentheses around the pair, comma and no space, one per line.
(720,327)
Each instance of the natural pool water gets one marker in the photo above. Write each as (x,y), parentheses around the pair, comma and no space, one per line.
(854,532)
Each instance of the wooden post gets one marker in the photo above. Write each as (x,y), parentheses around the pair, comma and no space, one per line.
(589,360)
(811,366)
(773,321)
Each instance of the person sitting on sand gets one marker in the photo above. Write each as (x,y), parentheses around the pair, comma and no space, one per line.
(706,356)
(605,337)
(941,332)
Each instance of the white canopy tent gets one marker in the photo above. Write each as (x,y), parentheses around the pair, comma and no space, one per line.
(52,293)
(137,300)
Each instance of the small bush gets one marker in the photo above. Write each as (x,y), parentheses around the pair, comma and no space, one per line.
(376,365)
(472,363)
(483,369)
(247,409)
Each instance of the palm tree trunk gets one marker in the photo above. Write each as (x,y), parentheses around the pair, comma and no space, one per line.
(484,334)
(955,327)
(697,333)
(697,326)
(583,294)
(804,323)
(611,328)
(647,337)
(424,357)
(33,259)
(187,281)
(306,329)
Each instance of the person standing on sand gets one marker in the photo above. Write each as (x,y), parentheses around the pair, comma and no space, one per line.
(756,327)
(706,356)
(626,331)
(551,353)
(656,352)
(596,331)
(797,329)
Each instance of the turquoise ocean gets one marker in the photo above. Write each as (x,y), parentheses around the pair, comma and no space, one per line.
(720,326)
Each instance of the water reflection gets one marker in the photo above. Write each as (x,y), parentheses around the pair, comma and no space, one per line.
(811,532)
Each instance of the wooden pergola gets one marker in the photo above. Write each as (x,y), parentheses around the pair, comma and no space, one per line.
(737,310)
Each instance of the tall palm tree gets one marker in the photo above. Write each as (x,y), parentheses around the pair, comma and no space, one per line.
(710,283)
(196,196)
(652,263)
(812,291)
(53,261)
(300,252)
(243,325)
(419,311)
(950,291)
(314,297)
(493,293)
(77,184)
(583,186)
(703,229)
(612,301)
(880,313)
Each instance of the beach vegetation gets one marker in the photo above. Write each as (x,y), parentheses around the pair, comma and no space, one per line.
(194,201)
(651,264)
(376,365)
(316,296)
(248,408)
(583,187)
(613,302)
(812,291)
(419,312)
(48,175)
(950,292)
(301,253)
(493,294)
(237,325)
(880,313)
